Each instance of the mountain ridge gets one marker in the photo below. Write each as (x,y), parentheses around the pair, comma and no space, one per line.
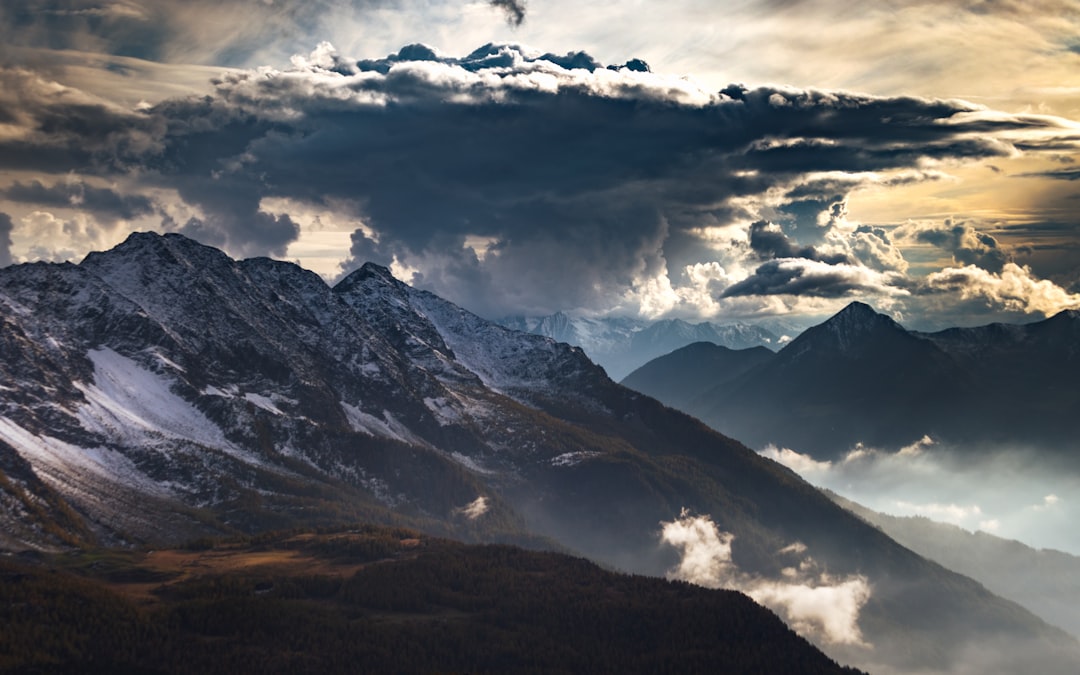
(621,345)
(861,378)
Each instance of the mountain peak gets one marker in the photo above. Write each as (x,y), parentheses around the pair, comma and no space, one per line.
(859,317)
(370,269)
(364,274)
(858,309)
(854,325)
(147,247)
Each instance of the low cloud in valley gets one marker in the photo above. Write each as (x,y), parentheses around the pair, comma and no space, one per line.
(811,601)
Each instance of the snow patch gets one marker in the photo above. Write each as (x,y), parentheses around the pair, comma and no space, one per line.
(264,402)
(573,458)
(165,361)
(469,463)
(387,427)
(230,391)
(444,411)
(136,407)
(56,459)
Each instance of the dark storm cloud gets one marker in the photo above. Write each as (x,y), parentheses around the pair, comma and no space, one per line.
(795,276)
(6,226)
(514,180)
(101,201)
(967,245)
(514,9)
(768,242)
(56,129)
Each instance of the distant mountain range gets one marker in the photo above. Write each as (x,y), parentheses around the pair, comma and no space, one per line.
(860,377)
(621,345)
(162,391)
(1043,580)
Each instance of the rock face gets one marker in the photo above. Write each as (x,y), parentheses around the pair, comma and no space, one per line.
(161,390)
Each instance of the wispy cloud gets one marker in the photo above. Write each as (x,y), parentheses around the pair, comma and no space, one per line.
(475,508)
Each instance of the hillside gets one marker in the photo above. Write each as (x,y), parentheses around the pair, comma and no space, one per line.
(375,600)
(1045,581)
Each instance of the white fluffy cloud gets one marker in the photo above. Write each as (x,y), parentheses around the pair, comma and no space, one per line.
(813,603)
(1014,289)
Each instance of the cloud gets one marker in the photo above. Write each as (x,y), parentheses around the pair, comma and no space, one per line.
(582,180)
(475,508)
(6,226)
(78,195)
(805,465)
(1014,289)
(812,602)
(967,245)
(219,32)
(1061,174)
(769,242)
(800,276)
(515,10)
(1010,491)
(43,235)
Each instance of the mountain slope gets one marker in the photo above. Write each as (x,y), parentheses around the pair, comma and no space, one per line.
(1043,580)
(161,390)
(680,378)
(374,600)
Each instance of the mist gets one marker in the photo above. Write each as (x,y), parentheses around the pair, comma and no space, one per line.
(1014,493)
(813,603)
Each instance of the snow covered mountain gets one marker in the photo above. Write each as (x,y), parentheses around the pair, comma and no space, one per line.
(161,390)
(622,345)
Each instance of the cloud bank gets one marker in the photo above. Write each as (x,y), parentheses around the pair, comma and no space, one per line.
(514,181)
(812,602)
(1014,493)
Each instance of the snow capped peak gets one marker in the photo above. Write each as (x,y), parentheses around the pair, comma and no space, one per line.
(370,269)
(151,246)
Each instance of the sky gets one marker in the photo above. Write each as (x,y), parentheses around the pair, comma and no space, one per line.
(698,159)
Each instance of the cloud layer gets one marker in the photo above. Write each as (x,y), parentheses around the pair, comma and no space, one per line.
(515,181)
(1010,492)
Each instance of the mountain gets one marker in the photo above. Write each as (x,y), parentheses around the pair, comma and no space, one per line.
(1024,376)
(1045,581)
(621,345)
(376,600)
(161,391)
(860,377)
(681,377)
